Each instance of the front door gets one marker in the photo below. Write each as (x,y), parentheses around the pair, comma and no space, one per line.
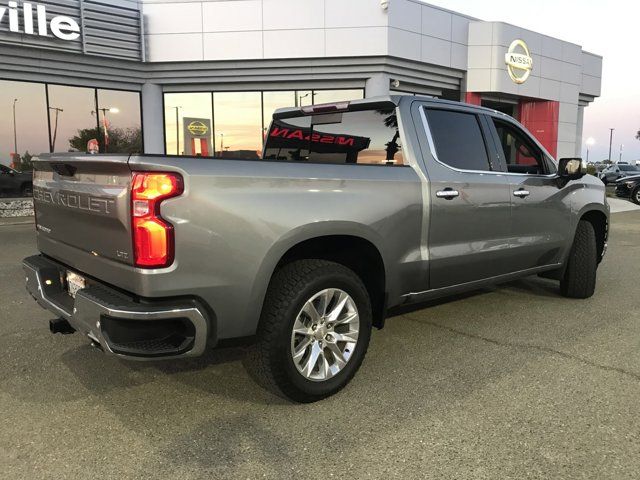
(469,216)
(541,211)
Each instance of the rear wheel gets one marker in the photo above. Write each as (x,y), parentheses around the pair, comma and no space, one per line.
(635,196)
(579,280)
(314,330)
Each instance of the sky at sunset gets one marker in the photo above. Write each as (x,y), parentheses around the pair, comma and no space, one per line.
(606,28)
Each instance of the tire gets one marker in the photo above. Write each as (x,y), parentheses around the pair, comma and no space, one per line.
(635,196)
(579,280)
(271,360)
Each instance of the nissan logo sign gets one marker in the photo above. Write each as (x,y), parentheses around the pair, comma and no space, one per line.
(34,21)
(519,61)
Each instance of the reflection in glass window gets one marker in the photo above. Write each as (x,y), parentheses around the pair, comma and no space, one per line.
(447,129)
(363,137)
(273,101)
(188,116)
(520,153)
(31,136)
(304,98)
(73,118)
(330,96)
(238,124)
(119,114)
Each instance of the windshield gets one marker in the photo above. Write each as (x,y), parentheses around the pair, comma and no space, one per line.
(629,168)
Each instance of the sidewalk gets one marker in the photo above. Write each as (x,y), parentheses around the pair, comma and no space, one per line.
(621,205)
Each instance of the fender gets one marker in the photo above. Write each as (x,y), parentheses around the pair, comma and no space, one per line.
(299,235)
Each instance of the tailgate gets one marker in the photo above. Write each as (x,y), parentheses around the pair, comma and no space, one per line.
(82,206)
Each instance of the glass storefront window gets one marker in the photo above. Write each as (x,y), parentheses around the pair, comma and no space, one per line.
(188,113)
(238,124)
(303,98)
(72,117)
(119,113)
(31,136)
(274,100)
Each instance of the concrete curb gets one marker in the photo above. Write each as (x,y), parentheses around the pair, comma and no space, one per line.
(16,207)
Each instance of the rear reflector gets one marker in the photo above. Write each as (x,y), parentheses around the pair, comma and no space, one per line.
(153,237)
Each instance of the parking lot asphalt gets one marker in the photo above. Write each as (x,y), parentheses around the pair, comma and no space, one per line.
(509,382)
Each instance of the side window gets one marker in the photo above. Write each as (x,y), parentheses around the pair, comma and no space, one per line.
(458,139)
(520,153)
(362,137)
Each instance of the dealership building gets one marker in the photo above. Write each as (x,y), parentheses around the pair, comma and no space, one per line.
(203,77)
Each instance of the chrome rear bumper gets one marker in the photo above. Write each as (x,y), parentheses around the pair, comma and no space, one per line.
(120,324)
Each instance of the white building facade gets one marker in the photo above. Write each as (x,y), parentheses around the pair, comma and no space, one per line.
(202,77)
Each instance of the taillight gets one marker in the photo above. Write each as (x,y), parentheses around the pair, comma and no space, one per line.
(153,238)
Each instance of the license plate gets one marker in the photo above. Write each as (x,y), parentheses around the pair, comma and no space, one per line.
(75,283)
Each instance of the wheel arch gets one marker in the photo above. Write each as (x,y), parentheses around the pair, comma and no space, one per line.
(353,246)
(599,219)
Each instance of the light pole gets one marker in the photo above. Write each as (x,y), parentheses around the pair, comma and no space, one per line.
(55,128)
(610,141)
(620,157)
(177,108)
(15,131)
(105,125)
(313,94)
(590,142)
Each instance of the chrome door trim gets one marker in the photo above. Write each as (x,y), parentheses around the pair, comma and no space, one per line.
(432,148)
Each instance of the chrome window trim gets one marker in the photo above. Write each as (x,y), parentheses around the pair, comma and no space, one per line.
(432,149)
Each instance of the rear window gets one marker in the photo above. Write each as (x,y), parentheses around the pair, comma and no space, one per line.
(458,139)
(368,137)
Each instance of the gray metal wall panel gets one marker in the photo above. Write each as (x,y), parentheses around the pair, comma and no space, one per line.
(108,28)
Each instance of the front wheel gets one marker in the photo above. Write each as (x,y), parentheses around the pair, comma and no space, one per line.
(314,330)
(635,196)
(579,280)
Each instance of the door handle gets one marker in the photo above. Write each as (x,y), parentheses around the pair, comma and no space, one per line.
(522,193)
(448,193)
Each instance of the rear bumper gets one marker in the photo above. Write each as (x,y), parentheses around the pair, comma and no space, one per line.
(121,324)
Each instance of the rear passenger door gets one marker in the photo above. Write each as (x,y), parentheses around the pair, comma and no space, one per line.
(469,216)
(540,210)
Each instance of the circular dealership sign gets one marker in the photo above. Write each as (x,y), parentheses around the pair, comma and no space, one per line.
(519,61)
(197,128)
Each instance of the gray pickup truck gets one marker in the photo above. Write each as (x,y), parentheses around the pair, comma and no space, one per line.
(353,209)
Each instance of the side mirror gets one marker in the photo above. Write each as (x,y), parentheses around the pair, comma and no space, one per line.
(571,168)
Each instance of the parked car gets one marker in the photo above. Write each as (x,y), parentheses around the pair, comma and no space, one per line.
(355,208)
(13,182)
(629,187)
(618,170)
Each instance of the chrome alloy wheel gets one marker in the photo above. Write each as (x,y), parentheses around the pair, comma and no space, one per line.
(325,334)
